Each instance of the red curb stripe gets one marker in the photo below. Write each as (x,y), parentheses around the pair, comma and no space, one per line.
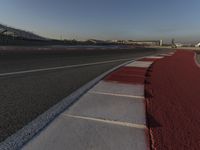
(125,79)
(132,70)
(128,75)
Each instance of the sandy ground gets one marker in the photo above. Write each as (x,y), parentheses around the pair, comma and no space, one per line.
(173,108)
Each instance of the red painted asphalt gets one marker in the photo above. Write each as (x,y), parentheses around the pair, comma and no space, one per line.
(173,103)
(128,75)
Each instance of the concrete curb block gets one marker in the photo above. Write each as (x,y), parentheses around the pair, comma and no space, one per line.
(195,60)
(21,137)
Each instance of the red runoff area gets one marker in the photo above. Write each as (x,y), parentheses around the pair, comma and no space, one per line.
(173,103)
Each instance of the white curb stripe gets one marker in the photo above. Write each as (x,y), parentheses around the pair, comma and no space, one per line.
(165,55)
(141,64)
(155,57)
(119,88)
(139,126)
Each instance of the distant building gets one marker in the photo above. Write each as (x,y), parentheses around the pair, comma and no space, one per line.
(10,31)
(178,44)
(197,45)
(175,45)
(146,43)
(161,42)
(94,41)
(128,42)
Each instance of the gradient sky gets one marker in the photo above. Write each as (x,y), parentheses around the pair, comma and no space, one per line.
(105,19)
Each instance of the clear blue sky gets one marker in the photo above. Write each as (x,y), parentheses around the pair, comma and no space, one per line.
(105,19)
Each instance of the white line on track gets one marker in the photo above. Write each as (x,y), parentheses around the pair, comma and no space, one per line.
(120,95)
(126,124)
(60,67)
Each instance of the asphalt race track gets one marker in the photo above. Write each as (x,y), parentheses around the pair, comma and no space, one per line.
(32,82)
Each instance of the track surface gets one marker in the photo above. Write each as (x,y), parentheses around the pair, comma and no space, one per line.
(174,102)
(25,96)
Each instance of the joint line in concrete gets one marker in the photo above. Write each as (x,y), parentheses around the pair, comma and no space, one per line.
(126,124)
(120,95)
